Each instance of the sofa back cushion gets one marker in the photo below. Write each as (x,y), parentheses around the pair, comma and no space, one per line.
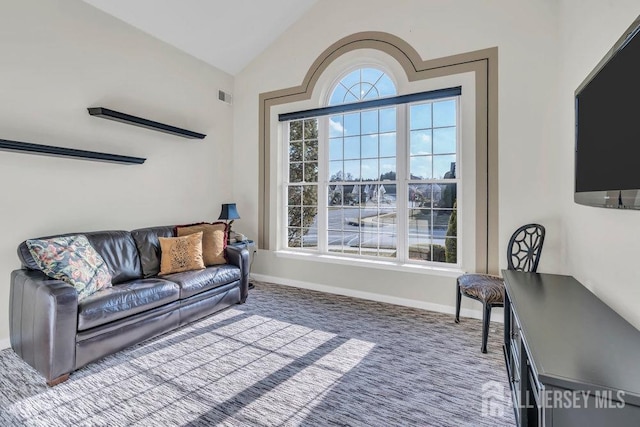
(149,247)
(117,248)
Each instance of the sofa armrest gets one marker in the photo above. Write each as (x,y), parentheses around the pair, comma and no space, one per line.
(43,315)
(240,257)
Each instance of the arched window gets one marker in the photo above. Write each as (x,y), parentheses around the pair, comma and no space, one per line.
(373,174)
(361,85)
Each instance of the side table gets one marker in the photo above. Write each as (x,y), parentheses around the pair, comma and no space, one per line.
(251,247)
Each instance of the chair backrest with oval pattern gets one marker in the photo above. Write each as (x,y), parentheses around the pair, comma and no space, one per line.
(524,248)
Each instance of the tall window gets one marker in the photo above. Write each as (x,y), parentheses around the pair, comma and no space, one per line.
(432,183)
(302,191)
(377,181)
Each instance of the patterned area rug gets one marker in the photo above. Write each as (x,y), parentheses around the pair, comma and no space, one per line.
(289,357)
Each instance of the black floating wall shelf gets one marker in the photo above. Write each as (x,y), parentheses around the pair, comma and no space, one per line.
(105,113)
(50,150)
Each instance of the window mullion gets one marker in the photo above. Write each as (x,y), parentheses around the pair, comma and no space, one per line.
(323,174)
(284,204)
(402,176)
(458,182)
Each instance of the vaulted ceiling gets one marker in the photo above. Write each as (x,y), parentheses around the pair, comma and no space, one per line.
(227,34)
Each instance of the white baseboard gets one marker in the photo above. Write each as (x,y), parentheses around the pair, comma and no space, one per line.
(5,343)
(440,308)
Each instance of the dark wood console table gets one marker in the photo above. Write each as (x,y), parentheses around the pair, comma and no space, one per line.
(571,360)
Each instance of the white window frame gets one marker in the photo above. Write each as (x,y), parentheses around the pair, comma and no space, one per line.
(458,181)
(402,182)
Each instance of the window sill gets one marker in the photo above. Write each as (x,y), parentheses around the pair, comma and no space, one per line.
(368,263)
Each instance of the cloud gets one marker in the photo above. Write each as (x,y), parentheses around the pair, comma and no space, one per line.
(420,144)
(336,126)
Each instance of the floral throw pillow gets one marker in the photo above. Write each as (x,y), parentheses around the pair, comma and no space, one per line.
(71,259)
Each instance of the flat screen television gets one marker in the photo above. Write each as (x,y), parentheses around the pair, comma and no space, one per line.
(607,103)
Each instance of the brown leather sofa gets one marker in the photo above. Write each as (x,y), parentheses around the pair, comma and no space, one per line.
(55,335)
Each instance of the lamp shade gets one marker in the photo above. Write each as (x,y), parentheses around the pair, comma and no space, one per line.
(229,211)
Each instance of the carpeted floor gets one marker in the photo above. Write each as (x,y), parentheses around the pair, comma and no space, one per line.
(287,357)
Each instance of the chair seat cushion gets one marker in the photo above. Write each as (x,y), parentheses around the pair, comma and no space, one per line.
(197,281)
(483,287)
(123,300)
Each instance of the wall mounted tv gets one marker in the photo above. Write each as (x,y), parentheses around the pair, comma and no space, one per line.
(607,160)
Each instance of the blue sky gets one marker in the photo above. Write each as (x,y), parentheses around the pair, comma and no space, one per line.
(369,135)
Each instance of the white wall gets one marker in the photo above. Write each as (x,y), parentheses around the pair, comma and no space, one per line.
(603,245)
(56,59)
(59,57)
(526,34)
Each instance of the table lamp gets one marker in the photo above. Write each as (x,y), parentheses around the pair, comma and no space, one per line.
(229,213)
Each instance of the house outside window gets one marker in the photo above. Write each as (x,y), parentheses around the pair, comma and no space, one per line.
(375,182)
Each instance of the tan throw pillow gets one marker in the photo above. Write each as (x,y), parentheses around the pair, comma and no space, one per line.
(214,240)
(181,253)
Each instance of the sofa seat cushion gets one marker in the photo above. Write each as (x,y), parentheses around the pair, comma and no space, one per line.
(124,300)
(194,282)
